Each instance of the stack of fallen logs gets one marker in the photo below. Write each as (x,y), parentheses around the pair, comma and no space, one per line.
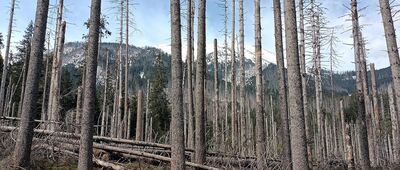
(131,149)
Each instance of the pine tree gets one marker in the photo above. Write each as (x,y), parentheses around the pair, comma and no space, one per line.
(158,102)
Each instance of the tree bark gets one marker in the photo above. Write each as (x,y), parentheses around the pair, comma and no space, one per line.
(139,118)
(23,145)
(243,137)
(104,117)
(177,134)
(394,123)
(297,125)
(78,110)
(260,130)
(226,96)
(393,52)
(5,62)
(361,120)
(234,137)
(86,141)
(190,24)
(217,117)
(286,155)
(54,105)
(200,145)
(126,98)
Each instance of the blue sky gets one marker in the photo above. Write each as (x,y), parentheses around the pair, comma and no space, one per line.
(153,27)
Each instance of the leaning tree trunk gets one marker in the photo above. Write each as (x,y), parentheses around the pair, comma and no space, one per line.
(21,156)
(177,134)
(242,82)
(190,23)
(86,140)
(139,118)
(297,133)
(260,130)
(361,122)
(391,43)
(286,156)
(200,145)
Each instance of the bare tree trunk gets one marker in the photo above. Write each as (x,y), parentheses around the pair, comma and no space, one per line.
(234,118)
(343,127)
(226,96)
(217,132)
(21,156)
(376,114)
(177,134)
(200,145)
(126,99)
(147,117)
(139,118)
(86,140)
(242,82)
(361,122)
(56,80)
(190,23)
(5,62)
(297,133)
(394,123)
(120,125)
(349,148)
(56,70)
(304,81)
(44,108)
(78,111)
(260,130)
(103,110)
(391,43)
(286,155)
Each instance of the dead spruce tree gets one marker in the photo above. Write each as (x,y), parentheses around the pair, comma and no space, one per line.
(139,117)
(393,52)
(260,129)
(6,58)
(200,144)
(54,93)
(126,92)
(286,156)
(21,155)
(297,125)
(177,134)
(360,121)
(217,117)
(242,82)
(190,24)
(234,118)
(86,140)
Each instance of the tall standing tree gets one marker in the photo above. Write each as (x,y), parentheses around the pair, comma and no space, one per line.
(242,82)
(126,99)
(361,114)
(21,155)
(392,48)
(6,57)
(177,134)
(86,140)
(217,116)
(260,129)
(234,118)
(190,23)
(297,125)
(286,156)
(200,145)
